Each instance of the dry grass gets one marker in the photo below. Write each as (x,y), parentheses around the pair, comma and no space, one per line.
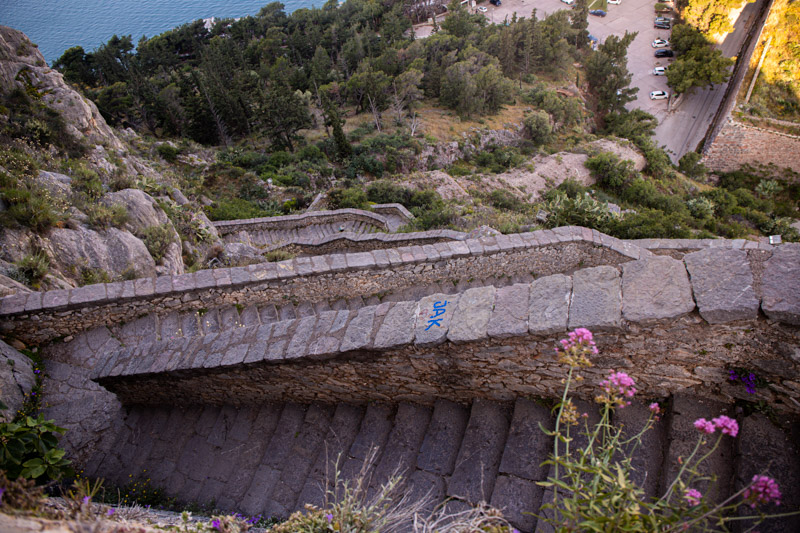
(446,125)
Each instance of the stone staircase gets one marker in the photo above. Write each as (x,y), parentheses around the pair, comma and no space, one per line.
(273,458)
(270,237)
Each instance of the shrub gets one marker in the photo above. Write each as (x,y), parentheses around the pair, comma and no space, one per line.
(611,173)
(386,192)
(102,216)
(21,494)
(592,487)
(537,127)
(275,256)
(690,165)
(87,182)
(235,209)
(503,199)
(157,240)
(32,269)
(582,210)
(350,198)
(168,152)
(29,449)
(701,208)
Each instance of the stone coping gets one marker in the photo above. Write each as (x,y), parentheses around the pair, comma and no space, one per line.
(699,244)
(225,227)
(641,294)
(143,289)
(377,239)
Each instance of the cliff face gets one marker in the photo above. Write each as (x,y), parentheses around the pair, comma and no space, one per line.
(23,66)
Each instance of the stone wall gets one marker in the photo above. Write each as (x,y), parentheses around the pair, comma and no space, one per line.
(671,324)
(738,144)
(381,219)
(364,242)
(40,317)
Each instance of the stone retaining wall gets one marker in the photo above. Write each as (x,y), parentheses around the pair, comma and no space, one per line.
(738,144)
(670,324)
(380,218)
(40,317)
(364,242)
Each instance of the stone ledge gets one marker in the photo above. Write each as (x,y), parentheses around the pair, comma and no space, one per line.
(226,227)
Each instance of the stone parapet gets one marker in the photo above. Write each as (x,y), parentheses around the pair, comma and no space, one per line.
(485,342)
(357,242)
(39,317)
(378,219)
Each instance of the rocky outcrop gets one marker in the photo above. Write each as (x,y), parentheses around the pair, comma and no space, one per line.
(16,379)
(143,213)
(22,65)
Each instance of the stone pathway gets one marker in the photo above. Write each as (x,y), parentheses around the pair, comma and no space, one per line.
(272,459)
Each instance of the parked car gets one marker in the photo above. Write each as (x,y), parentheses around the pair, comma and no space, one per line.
(615,2)
(659,71)
(597,12)
(662,23)
(659,95)
(568,2)
(664,53)
(482,9)
(495,2)
(660,43)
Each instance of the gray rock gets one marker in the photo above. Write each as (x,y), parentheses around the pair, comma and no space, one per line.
(781,285)
(655,288)
(434,315)
(437,454)
(527,446)
(240,254)
(510,315)
(471,318)
(359,332)
(113,250)
(723,284)
(549,304)
(16,380)
(397,328)
(479,456)
(516,498)
(596,298)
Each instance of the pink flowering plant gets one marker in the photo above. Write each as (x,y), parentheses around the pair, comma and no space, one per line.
(592,486)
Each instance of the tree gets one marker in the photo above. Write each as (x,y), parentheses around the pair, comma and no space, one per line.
(75,65)
(406,92)
(537,127)
(700,67)
(634,125)
(580,22)
(608,76)
(282,113)
(333,120)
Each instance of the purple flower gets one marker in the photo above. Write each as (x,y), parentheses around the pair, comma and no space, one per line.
(732,375)
(36,371)
(693,496)
(329,516)
(764,489)
(110,512)
(85,499)
(2,490)
(727,425)
(704,426)
(215,524)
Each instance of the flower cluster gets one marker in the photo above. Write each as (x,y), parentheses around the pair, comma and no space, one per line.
(617,389)
(570,414)
(764,489)
(726,425)
(693,496)
(575,350)
(656,410)
(749,380)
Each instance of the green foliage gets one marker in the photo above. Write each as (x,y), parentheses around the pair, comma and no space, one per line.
(498,159)
(636,125)
(102,216)
(768,188)
(690,165)
(563,111)
(168,152)
(503,199)
(537,127)
(29,449)
(350,198)
(275,256)
(650,224)
(581,210)
(698,63)
(235,208)
(709,16)
(157,240)
(32,269)
(608,76)
(92,276)
(30,119)
(611,173)
(701,208)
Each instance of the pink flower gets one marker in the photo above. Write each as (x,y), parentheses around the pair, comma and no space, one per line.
(656,410)
(727,425)
(693,496)
(704,426)
(764,489)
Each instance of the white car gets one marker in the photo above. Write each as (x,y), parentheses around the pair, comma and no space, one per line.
(482,9)
(568,2)
(659,71)
(615,2)
(660,43)
(659,95)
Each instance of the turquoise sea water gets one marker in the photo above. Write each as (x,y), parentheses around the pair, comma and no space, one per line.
(56,25)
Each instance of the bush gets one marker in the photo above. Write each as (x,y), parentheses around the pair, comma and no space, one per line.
(29,449)
(102,216)
(537,127)
(701,208)
(690,165)
(503,199)
(31,269)
(650,224)
(87,181)
(611,173)
(168,152)
(235,209)
(157,240)
(350,198)
(582,210)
